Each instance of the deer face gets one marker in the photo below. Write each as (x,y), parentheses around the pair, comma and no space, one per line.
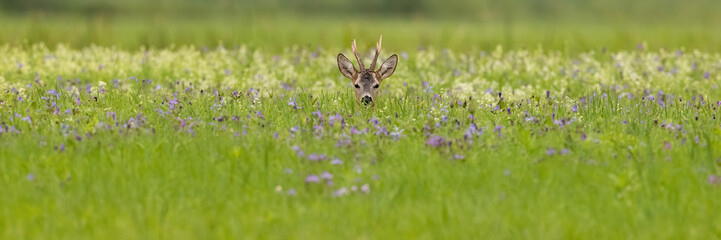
(366,81)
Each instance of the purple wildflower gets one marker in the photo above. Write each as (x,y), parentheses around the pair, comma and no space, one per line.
(312,179)
(336,161)
(565,151)
(319,115)
(713,179)
(293,104)
(397,134)
(341,192)
(498,129)
(31,177)
(292,192)
(706,75)
(326,176)
(297,151)
(381,130)
(550,151)
(260,114)
(333,118)
(435,141)
(458,157)
(316,157)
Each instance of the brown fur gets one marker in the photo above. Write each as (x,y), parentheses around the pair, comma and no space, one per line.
(367,81)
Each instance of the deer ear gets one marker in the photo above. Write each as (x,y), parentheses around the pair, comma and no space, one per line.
(388,67)
(346,66)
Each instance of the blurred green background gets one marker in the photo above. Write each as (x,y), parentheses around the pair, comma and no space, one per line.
(274,25)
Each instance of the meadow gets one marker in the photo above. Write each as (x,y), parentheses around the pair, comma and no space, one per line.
(236,142)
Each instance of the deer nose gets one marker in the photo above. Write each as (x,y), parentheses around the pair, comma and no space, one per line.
(367,100)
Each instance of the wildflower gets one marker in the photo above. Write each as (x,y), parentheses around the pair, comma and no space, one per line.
(342,142)
(366,188)
(713,179)
(316,157)
(498,129)
(318,129)
(293,104)
(312,179)
(565,151)
(297,151)
(435,141)
(397,133)
(292,192)
(31,177)
(341,192)
(335,118)
(260,114)
(706,75)
(550,152)
(336,161)
(381,130)
(458,157)
(326,176)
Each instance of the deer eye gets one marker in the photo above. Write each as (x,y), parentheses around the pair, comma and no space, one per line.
(376,86)
(357,86)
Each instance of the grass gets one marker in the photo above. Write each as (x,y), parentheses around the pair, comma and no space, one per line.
(274,34)
(187,143)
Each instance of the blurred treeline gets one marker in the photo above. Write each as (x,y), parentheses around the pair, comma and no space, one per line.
(636,11)
(567,25)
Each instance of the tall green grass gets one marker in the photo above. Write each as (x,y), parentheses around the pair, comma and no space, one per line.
(275,33)
(171,151)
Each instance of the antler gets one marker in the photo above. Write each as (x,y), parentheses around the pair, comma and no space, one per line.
(357,57)
(378,52)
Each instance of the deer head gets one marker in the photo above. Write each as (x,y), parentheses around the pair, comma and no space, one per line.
(367,80)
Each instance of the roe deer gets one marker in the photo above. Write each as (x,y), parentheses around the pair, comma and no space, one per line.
(367,80)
